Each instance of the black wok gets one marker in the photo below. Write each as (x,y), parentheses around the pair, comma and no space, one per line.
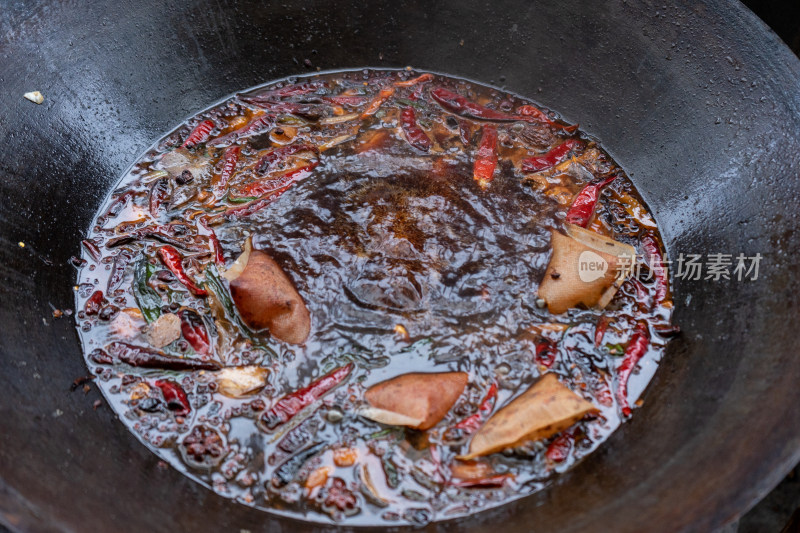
(699,101)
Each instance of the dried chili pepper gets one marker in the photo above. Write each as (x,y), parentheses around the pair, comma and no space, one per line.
(93,304)
(254,127)
(352,101)
(199,134)
(219,257)
(92,250)
(243,211)
(175,234)
(377,102)
(642,296)
(159,193)
(117,276)
(558,450)
(140,357)
(584,203)
(173,260)
(278,155)
(546,352)
(600,329)
(473,422)
(174,396)
(230,157)
(422,78)
(633,353)
(285,473)
(117,204)
(656,261)
(465,132)
(270,186)
(415,135)
(485,164)
(539,116)
(497,480)
(194,331)
(297,89)
(551,158)
(291,404)
(310,111)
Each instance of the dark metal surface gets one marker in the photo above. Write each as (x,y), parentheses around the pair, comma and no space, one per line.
(698,101)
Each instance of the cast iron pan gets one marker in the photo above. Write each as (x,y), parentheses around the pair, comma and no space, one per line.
(698,101)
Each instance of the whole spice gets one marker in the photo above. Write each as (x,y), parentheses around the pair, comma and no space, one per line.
(633,353)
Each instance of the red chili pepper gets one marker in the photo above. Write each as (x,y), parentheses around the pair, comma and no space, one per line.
(642,296)
(546,352)
(243,211)
(633,353)
(538,115)
(273,186)
(551,158)
(219,258)
(194,331)
(173,260)
(278,155)
(199,134)
(377,102)
(174,234)
(484,482)
(584,203)
(175,397)
(159,193)
(602,392)
(254,127)
(117,276)
(656,261)
(229,160)
(455,103)
(465,132)
(292,108)
(94,303)
(473,422)
(117,204)
(352,101)
(415,135)
(600,329)
(485,164)
(140,357)
(92,250)
(291,404)
(422,78)
(558,450)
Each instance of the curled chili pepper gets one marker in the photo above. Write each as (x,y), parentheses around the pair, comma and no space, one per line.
(229,160)
(175,397)
(273,186)
(415,135)
(422,78)
(94,303)
(140,357)
(485,164)
(551,158)
(288,406)
(633,353)
(194,331)
(159,193)
(377,102)
(546,352)
(471,423)
(584,203)
(173,260)
(558,450)
(656,261)
(92,250)
(199,134)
